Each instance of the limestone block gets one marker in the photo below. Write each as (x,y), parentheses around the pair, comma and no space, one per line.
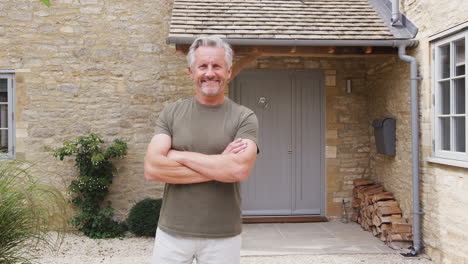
(89,2)
(67,29)
(48,29)
(90,10)
(41,13)
(47,48)
(330,152)
(20,16)
(330,80)
(332,134)
(42,132)
(68,88)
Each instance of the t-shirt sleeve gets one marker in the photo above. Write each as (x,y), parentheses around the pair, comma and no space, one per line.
(162,124)
(248,128)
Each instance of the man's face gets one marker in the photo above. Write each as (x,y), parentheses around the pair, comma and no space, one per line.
(210,71)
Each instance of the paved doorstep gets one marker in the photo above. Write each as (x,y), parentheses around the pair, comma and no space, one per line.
(298,243)
(309,238)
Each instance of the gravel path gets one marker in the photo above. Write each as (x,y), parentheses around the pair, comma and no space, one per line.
(78,249)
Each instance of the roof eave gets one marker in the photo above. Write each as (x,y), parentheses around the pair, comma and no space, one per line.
(304,42)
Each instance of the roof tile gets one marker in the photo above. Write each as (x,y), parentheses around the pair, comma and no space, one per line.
(278,19)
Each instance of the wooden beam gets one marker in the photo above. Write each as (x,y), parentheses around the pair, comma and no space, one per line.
(333,56)
(242,63)
(367,50)
(306,51)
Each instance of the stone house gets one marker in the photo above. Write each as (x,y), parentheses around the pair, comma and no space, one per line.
(317,73)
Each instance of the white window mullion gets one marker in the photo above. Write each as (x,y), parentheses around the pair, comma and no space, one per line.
(437,106)
(9,127)
(466,96)
(10,117)
(452,96)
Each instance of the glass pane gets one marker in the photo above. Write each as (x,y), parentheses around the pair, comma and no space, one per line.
(3,116)
(444,92)
(460,57)
(3,90)
(444,52)
(459,91)
(445,133)
(460,134)
(4,140)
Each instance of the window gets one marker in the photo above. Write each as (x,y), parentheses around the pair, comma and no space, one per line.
(7,136)
(450,97)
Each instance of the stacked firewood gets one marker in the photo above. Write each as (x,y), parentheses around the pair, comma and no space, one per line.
(377,211)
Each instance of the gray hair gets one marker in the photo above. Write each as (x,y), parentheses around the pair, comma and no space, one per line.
(210,42)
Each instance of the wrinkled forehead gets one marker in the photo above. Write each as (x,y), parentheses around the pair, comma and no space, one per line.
(208,54)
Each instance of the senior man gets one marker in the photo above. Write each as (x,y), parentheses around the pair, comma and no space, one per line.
(203,148)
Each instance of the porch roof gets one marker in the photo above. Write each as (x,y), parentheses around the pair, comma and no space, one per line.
(283,20)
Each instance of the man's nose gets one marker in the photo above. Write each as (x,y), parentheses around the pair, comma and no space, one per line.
(210,72)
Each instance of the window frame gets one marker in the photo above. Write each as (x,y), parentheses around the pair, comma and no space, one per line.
(11,154)
(438,152)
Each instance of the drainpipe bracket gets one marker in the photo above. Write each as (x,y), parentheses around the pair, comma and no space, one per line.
(417,78)
(420,213)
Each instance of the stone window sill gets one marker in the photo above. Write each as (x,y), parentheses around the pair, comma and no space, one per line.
(456,163)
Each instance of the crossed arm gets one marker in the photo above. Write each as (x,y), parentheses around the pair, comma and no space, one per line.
(183,167)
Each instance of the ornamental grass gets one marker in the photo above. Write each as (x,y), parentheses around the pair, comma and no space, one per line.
(29,210)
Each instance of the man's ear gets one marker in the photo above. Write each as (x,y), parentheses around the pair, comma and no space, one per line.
(229,74)
(190,72)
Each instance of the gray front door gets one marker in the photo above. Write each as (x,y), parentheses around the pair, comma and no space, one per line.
(288,175)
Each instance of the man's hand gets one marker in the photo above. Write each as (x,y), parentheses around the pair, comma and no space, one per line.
(233,165)
(237,146)
(159,167)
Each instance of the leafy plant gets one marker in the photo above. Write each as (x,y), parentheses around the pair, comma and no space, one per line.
(46,2)
(92,185)
(28,211)
(143,217)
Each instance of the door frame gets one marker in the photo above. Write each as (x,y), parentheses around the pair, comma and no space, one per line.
(235,95)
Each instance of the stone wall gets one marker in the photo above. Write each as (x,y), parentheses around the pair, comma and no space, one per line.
(91,66)
(443,188)
(389,96)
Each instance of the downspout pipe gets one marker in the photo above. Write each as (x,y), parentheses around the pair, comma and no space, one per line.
(395,12)
(414,147)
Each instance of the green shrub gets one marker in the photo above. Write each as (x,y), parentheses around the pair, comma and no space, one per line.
(92,184)
(143,217)
(28,211)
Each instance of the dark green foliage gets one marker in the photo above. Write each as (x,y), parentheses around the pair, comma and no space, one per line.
(46,2)
(143,217)
(92,185)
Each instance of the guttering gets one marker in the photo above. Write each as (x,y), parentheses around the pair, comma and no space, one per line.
(395,12)
(414,147)
(304,42)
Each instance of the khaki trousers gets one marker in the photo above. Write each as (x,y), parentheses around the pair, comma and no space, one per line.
(174,249)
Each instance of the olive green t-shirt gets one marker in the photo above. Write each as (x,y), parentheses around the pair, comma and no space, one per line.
(209,209)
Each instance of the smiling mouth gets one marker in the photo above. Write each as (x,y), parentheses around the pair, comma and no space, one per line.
(210,81)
